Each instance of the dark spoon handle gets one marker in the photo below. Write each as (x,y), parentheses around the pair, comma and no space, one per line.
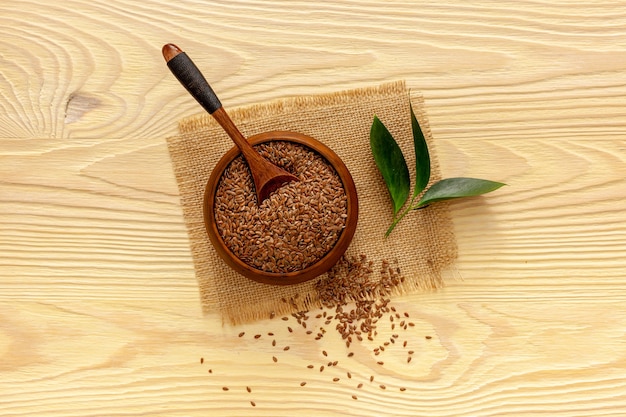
(192,79)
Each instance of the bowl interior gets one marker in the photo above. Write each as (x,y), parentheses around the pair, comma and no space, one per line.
(321,265)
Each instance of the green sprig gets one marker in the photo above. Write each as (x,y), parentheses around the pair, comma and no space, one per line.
(393,167)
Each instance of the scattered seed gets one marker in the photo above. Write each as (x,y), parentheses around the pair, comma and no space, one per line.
(201,361)
(275,359)
(354,397)
(252,403)
(302,383)
(248,389)
(351,354)
(372,378)
(284,318)
(380,362)
(321,368)
(225,388)
(290,329)
(242,334)
(286,348)
(256,336)
(409,359)
(335,379)
(382,386)
(210,371)
(324,353)
(402,389)
(429,337)
(359,386)
(349,374)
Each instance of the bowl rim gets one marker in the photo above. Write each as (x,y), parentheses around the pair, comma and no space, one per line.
(324,263)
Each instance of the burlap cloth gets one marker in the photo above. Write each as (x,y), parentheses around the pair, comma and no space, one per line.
(423,244)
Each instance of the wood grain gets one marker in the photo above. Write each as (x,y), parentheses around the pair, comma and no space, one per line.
(99,311)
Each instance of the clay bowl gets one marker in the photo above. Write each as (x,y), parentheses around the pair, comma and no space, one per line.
(323,264)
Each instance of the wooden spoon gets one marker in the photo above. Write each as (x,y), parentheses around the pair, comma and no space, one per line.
(267,176)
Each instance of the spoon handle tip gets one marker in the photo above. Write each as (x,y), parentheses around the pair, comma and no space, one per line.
(170,51)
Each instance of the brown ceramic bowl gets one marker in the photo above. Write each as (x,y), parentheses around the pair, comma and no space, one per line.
(324,263)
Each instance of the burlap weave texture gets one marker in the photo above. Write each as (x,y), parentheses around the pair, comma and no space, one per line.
(423,245)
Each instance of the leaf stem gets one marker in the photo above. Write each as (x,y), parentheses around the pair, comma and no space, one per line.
(397,219)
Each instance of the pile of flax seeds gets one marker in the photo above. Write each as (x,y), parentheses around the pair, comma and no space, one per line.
(355,302)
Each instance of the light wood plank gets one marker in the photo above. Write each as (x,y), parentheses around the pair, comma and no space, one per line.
(99,310)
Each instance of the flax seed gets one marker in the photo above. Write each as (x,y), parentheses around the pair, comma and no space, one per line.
(242,334)
(302,383)
(224,388)
(354,397)
(248,389)
(201,361)
(286,348)
(335,379)
(252,403)
(275,359)
(256,336)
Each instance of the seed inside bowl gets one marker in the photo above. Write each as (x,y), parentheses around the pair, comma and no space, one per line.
(296,225)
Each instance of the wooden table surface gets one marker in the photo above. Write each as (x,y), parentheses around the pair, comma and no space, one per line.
(99,307)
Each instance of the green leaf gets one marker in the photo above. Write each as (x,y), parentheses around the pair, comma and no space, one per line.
(391,163)
(422,158)
(457,187)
